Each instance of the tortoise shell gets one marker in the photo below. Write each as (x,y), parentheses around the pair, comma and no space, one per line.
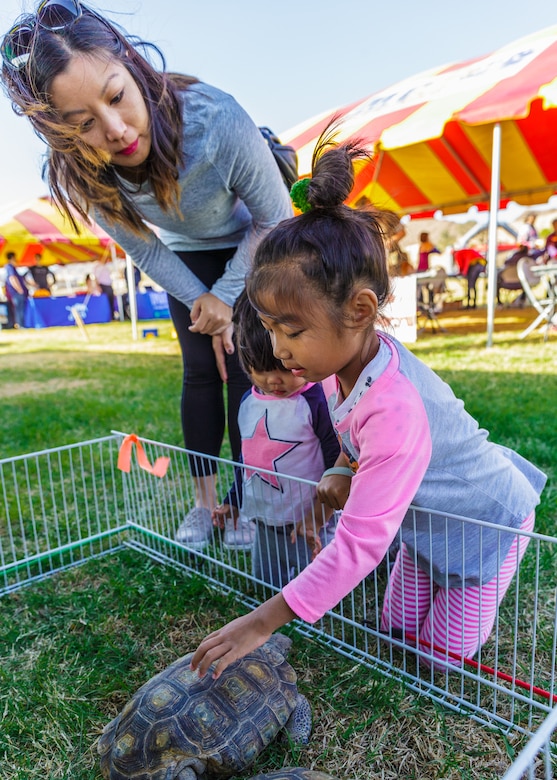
(179,725)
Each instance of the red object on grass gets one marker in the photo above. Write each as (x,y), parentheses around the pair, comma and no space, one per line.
(488,669)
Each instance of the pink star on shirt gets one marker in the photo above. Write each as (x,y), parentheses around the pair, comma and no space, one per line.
(263,451)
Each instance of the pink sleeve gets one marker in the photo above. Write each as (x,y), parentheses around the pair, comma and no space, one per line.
(391,430)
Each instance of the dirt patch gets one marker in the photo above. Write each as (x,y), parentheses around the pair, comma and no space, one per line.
(462,320)
(54,386)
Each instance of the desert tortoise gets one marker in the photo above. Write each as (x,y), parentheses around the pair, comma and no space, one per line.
(294,773)
(179,726)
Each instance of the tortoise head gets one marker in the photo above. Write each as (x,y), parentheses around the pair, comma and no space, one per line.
(280,643)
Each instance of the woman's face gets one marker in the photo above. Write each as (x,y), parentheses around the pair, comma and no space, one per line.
(100,99)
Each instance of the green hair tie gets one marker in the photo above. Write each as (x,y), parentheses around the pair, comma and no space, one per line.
(299,194)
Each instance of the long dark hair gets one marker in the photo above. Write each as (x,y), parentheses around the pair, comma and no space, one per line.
(78,174)
(327,250)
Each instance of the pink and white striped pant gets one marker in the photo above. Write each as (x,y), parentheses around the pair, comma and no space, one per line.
(452,623)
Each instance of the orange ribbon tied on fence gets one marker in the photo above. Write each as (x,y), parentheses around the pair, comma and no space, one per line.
(125,454)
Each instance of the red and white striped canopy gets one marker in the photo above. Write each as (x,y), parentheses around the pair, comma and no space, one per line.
(42,228)
(431,134)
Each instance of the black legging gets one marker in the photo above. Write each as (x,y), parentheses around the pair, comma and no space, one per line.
(108,290)
(203,408)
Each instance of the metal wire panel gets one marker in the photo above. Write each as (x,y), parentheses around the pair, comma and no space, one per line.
(63,506)
(510,683)
(538,759)
(58,508)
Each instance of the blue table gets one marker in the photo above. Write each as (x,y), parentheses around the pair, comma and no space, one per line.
(53,312)
(152,305)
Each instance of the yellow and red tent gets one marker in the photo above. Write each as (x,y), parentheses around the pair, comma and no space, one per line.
(475,133)
(41,227)
(431,135)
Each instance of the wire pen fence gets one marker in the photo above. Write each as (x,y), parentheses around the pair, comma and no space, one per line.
(63,506)
(537,759)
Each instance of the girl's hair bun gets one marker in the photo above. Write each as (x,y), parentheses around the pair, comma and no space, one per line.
(333,169)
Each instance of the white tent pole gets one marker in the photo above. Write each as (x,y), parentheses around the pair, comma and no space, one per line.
(132,300)
(492,231)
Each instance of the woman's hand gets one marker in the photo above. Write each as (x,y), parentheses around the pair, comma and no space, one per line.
(223,345)
(241,636)
(212,316)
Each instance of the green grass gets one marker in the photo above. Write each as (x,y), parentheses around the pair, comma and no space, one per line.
(73,648)
(57,388)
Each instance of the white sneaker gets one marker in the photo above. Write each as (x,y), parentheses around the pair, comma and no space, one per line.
(239,538)
(196,529)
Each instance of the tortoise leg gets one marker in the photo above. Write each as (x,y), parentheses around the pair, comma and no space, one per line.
(190,769)
(185,774)
(298,725)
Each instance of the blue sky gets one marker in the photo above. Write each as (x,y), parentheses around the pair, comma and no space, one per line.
(288,60)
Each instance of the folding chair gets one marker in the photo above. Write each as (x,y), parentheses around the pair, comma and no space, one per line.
(430,285)
(531,276)
(507,276)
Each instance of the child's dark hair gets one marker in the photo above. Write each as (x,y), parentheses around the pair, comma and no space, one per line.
(255,350)
(330,247)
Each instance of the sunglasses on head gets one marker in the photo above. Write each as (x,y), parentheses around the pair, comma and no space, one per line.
(54,15)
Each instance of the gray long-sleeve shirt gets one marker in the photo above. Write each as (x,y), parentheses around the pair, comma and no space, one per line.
(231,195)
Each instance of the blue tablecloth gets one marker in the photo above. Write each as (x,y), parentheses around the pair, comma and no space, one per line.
(51,312)
(152,305)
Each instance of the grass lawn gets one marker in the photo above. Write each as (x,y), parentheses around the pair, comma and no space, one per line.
(74,647)
(57,388)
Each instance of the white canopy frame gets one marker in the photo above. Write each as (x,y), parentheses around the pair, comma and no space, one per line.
(492,231)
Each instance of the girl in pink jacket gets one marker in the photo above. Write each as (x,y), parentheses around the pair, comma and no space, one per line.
(413,461)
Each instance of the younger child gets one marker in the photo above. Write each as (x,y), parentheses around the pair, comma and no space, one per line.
(318,282)
(285,429)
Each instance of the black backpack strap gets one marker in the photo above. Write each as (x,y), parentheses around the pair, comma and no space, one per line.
(285,156)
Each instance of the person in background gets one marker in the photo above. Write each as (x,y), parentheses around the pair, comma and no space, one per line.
(135,147)
(395,236)
(428,291)
(318,283)
(9,324)
(17,291)
(92,287)
(40,277)
(527,234)
(285,428)
(550,250)
(398,261)
(425,249)
(529,243)
(103,276)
